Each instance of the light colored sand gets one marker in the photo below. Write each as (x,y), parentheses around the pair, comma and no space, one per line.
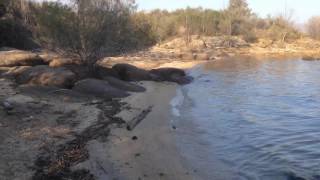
(154,154)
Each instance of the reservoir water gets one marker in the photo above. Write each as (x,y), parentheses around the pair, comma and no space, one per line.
(251,119)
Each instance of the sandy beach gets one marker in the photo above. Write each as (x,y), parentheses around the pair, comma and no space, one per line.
(80,137)
(148,151)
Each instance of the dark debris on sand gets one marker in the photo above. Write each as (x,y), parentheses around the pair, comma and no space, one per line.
(56,165)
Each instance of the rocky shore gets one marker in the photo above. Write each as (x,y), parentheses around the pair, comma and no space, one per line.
(58,121)
(52,111)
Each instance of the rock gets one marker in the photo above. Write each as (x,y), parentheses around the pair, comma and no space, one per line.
(129,72)
(47,76)
(7,49)
(99,88)
(188,56)
(19,58)
(4,70)
(106,72)
(167,73)
(13,72)
(81,71)
(126,86)
(48,56)
(28,119)
(7,106)
(182,80)
(203,56)
(172,75)
(60,62)
(134,138)
(310,58)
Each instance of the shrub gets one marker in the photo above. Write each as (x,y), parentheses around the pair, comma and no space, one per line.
(313,27)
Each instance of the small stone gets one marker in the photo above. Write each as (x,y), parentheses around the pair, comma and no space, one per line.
(7,106)
(134,138)
(174,127)
(27,119)
(94,102)
(137,155)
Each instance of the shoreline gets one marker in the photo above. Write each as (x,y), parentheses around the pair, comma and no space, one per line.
(149,150)
(79,137)
(68,135)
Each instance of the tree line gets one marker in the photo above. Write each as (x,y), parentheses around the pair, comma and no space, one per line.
(91,29)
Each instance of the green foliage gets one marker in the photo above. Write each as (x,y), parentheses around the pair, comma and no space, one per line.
(280,29)
(3,7)
(142,34)
(55,25)
(92,29)
(239,9)
(240,17)
(14,32)
(184,21)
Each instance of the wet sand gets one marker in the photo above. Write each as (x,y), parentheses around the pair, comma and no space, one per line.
(148,151)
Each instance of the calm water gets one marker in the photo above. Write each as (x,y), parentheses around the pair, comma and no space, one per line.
(251,119)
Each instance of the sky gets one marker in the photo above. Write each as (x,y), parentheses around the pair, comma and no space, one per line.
(302,9)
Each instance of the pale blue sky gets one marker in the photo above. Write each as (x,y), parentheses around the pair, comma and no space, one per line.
(303,9)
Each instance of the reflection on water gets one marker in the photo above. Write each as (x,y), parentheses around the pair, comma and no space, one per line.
(252,119)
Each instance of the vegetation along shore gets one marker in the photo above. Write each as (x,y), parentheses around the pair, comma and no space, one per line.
(85,84)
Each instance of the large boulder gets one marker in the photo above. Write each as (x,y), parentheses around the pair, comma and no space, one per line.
(13,72)
(60,62)
(99,88)
(172,75)
(182,80)
(19,58)
(310,58)
(166,73)
(106,72)
(81,71)
(123,85)
(129,72)
(47,76)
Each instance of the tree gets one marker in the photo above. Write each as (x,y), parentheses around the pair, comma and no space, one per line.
(88,29)
(238,16)
(313,27)
(14,31)
(239,8)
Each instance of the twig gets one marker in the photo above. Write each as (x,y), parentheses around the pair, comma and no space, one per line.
(135,121)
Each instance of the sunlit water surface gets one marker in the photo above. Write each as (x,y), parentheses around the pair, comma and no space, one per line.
(251,119)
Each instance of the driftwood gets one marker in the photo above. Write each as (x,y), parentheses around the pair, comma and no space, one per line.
(135,121)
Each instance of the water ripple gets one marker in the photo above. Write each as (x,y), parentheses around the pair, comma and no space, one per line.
(248,119)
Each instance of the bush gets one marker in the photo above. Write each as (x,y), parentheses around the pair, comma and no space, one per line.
(13,34)
(313,27)
(92,29)
(250,37)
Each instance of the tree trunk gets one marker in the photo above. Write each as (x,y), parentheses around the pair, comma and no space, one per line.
(284,37)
